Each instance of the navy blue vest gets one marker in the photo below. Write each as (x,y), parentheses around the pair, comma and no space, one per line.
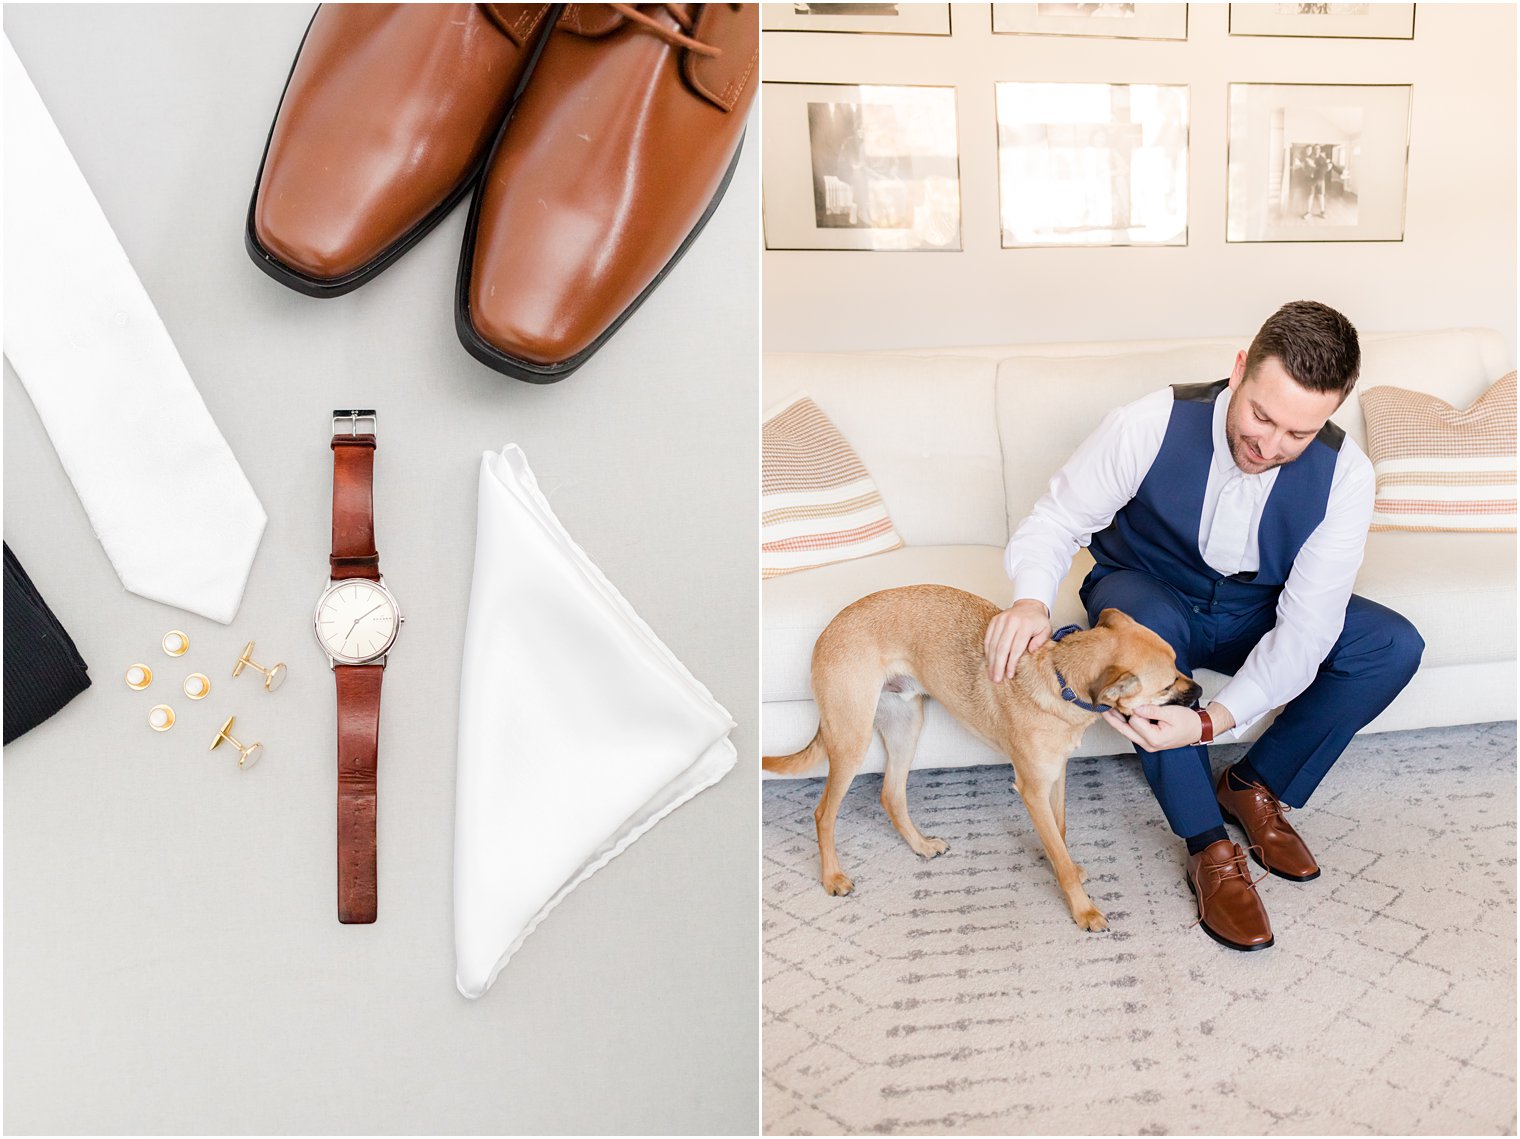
(1156,532)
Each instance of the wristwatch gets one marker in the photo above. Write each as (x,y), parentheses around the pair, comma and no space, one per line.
(356,622)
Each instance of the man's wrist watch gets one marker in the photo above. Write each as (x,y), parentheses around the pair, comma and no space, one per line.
(356,622)
(1208,726)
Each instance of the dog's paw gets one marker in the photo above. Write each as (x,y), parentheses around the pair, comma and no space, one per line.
(932,848)
(1091,919)
(838,885)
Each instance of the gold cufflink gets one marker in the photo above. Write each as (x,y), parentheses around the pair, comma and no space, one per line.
(197,686)
(273,677)
(160,717)
(175,643)
(247,756)
(139,676)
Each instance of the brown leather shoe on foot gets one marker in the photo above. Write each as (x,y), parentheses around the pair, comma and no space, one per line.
(1228,907)
(612,162)
(1255,810)
(387,115)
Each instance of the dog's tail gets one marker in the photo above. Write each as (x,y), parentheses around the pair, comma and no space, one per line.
(799,761)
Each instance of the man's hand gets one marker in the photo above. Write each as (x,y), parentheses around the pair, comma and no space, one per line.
(1023,627)
(1158,728)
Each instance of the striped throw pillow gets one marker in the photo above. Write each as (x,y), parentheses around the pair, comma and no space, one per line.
(1440,468)
(818,505)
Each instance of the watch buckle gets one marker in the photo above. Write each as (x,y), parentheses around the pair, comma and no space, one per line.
(353,418)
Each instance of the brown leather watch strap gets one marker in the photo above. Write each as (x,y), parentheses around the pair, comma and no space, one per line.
(1208,726)
(353,512)
(358,756)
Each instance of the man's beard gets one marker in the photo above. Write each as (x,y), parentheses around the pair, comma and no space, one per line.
(1239,448)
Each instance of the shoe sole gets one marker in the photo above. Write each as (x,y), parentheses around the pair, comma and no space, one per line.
(322,287)
(1229,818)
(527,370)
(1224,941)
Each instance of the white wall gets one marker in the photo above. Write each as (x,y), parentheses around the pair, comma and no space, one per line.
(1454,268)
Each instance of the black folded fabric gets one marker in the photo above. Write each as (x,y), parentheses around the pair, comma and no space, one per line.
(43,669)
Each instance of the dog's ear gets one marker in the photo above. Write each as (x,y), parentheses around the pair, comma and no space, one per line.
(1114,683)
(1114,618)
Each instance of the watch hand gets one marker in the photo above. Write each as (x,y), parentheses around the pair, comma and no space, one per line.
(355,625)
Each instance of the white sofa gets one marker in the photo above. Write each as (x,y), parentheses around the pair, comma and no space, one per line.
(963,441)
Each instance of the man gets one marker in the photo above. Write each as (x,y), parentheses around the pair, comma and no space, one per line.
(1319,166)
(1231,519)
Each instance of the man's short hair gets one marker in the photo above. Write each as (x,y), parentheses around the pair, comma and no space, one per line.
(1316,345)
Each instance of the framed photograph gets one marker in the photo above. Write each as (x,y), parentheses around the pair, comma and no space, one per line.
(1115,21)
(856,167)
(1338,21)
(1311,162)
(876,19)
(1092,164)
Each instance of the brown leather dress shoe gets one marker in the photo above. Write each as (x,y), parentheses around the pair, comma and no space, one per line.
(1256,811)
(1228,907)
(613,161)
(386,118)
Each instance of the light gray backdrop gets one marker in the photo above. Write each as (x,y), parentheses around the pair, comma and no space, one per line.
(173,959)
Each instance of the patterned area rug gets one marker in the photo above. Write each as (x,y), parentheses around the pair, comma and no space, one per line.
(956,995)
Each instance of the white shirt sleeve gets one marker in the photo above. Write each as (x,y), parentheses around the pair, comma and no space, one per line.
(1084,495)
(1312,608)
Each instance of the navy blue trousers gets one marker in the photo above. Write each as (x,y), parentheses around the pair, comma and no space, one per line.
(1375,656)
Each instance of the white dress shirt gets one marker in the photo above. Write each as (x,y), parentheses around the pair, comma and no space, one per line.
(1106,471)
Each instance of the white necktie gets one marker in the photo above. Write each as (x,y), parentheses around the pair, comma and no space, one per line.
(1226,546)
(578,729)
(166,498)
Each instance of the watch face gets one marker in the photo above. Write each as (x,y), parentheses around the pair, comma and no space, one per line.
(356,620)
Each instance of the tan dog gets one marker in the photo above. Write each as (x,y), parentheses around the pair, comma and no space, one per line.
(878,658)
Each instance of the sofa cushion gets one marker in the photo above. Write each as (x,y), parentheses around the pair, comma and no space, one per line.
(925,430)
(1046,407)
(1457,589)
(797,606)
(1440,467)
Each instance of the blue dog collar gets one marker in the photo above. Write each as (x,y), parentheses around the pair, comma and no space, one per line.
(1066,693)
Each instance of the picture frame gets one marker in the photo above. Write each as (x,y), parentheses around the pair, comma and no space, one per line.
(1108,21)
(1092,164)
(1331,21)
(860,167)
(1317,162)
(861,19)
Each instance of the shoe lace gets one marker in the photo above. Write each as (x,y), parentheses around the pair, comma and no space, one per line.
(683,15)
(1269,806)
(1236,867)
(1273,809)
